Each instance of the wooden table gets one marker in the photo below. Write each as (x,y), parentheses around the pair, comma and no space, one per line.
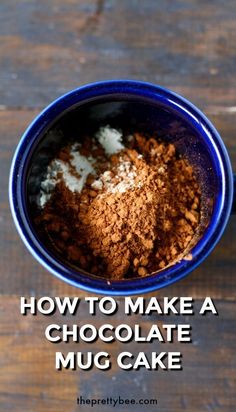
(48,48)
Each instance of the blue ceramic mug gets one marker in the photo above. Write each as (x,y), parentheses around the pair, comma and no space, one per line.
(127,105)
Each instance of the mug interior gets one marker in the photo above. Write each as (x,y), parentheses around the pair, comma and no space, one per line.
(130,112)
(129,116)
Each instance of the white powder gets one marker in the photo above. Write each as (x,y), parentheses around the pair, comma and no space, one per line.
(126,175)
(110,139)
(97,184)
(80,164)
(83,166)
(161,170)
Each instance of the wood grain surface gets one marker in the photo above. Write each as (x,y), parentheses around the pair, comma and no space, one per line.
(46,49)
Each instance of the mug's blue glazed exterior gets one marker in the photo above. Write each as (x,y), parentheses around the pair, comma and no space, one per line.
(209,141)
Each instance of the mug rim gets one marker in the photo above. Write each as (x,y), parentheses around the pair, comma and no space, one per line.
(138,285)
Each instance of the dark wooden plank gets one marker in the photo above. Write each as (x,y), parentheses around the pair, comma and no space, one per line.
(49,48)
(21,274)
(223,121)
(28,380)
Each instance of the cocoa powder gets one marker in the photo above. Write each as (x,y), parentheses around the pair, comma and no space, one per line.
(138,212)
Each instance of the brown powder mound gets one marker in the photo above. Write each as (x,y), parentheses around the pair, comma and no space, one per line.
(137,217)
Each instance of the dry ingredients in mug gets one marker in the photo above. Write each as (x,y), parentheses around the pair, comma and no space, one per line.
(120,211)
